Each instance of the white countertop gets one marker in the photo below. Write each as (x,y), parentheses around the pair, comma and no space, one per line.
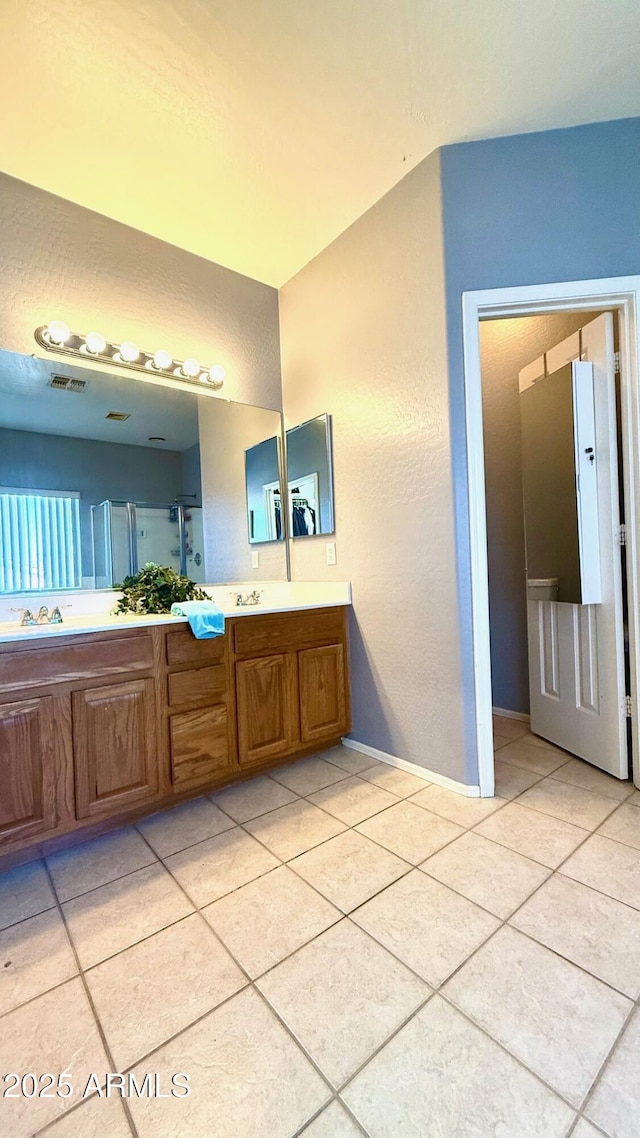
(277,596)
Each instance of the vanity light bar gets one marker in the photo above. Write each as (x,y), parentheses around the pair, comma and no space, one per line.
(56,336)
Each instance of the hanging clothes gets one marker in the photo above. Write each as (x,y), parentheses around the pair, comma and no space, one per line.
(310,519)
(299,522)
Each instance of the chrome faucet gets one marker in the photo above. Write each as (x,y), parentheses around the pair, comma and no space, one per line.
(44,616)
(248,598)
(27,617)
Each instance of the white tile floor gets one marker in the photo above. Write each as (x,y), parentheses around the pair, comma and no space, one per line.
(340,949)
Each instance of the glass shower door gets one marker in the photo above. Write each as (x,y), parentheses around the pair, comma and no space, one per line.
(158,536)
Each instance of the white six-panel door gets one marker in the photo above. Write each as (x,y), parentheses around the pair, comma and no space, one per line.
(576,652)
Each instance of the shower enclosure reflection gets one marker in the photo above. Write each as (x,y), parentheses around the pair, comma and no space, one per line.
(127,535)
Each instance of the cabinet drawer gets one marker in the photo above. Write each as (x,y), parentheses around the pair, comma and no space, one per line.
(62,663)
(197,687)
(276,631)
(183,648)
(199,746)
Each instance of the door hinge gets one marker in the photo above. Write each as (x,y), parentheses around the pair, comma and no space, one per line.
(616,362)
(622,534)
(628,707)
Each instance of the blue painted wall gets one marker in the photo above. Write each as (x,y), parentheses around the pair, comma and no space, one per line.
(530,209)
(96,470)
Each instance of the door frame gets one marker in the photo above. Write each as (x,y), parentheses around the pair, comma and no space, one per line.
(623,295)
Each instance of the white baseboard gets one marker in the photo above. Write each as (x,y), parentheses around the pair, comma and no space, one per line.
(506,714)
(414,768)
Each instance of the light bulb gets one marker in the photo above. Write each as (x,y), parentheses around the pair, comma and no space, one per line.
(58,331)
(129,351)
(216,374)
(162,359)
(95,342)
(191,367)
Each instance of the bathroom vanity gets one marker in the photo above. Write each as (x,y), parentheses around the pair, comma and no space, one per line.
(105,718)
(99,727)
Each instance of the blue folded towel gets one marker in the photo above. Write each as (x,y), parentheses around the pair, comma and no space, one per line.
(205,618)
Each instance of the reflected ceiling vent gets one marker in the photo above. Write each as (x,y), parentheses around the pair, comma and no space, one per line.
(66,383)
(118,416)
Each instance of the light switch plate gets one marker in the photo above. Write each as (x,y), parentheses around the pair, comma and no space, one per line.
(255,559)
(331,552)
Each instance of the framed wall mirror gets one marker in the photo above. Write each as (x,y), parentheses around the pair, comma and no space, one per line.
(100,473)
(262,466)
(310,478)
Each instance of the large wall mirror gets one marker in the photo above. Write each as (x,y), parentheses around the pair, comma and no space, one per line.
(100,473)
(310,478)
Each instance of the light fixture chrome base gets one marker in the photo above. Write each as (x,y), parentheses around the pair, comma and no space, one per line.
(75,346)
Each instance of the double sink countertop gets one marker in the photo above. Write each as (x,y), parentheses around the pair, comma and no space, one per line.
(91,611)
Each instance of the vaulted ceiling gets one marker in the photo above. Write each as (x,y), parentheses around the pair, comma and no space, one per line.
(252,132)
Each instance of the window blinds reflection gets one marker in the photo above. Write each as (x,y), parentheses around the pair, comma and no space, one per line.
(39,541)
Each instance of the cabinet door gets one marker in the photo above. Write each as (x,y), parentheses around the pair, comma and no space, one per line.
(267,694)
(323,702)
(114,732)
(27,769)
(199,746)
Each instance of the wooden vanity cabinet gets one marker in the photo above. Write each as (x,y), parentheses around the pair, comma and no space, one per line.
(98,727)
(323,693)
(200,720)
(267,702)
(294,699)
(115,747)
(27,765)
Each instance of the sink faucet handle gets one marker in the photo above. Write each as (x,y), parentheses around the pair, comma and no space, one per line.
(27,617)
(56,615)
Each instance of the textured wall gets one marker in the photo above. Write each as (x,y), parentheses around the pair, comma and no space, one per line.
(191,475)
(561,205)
(363,338)
(226,431)
(506,346)
(60,260)
(94,469)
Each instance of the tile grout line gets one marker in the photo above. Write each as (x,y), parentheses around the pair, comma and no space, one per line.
(251,984)
(89,998)
(302,797)
(438,990)
(343,916)
(119,877)
(254,986)
(503,922)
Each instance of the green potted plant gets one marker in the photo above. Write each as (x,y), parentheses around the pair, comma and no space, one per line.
(155,588)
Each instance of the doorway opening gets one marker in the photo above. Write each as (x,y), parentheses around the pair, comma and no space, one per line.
(571,305)
(555,519)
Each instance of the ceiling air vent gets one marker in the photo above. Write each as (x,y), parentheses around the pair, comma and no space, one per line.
(66,383)
(119,416)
